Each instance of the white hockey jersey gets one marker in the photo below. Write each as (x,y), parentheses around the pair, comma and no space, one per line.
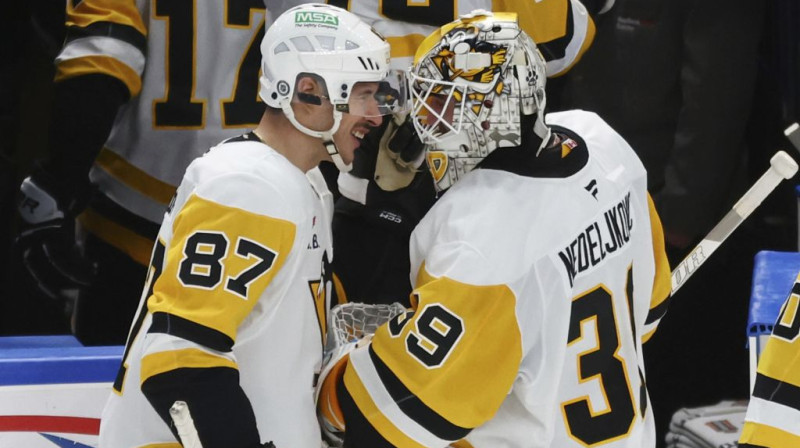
(237,281)
(536,280)
(191,69)
(192,72)
(773,414)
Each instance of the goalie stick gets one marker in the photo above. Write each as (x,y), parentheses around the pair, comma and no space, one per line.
(782,166)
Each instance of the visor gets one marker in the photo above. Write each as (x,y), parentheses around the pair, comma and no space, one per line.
(374,99)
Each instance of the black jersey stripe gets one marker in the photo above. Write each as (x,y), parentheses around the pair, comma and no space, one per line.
(183,328)
(777,391)
(413,407)
(658,311)
(359,430)
(125,33)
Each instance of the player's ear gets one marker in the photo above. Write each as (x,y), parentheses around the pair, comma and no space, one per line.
(308,90)
(306,84)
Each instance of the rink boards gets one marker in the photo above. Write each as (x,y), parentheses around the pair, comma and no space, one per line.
(52,391)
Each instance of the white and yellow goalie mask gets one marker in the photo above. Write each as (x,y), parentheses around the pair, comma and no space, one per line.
(471,82)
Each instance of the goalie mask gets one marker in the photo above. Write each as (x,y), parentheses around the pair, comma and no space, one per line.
(471,83)
(336,47)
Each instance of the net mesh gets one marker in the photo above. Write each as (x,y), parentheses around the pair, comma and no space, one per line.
(353,321)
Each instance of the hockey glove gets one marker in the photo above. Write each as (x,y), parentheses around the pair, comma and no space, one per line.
(46,244)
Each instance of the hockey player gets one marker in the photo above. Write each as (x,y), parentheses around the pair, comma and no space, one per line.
(159,68)
(774,409)
(233,315)
(384,203)
(142,88)
(537,275)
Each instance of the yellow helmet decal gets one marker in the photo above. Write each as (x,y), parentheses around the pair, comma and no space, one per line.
(437,162)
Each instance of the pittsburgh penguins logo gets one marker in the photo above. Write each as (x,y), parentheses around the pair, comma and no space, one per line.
(462,41)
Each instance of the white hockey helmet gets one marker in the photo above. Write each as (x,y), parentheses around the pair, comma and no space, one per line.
(472,81)
(335,45)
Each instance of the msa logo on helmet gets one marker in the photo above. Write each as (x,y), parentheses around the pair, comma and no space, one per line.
(315,18)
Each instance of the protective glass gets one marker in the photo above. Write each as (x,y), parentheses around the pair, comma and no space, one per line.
(374,99)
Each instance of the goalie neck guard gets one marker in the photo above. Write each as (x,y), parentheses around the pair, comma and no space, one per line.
(472,82)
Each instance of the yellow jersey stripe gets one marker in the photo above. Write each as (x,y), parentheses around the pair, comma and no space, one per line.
(133,177)
(776,361)
(373,414)
(131,243)
(123,12)
(404,46)
(543,20)
(87,65)
(767,436)
(162,362)
(662,285)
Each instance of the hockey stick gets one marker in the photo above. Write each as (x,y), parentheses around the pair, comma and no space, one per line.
(793,136)
(782,166)
(182,419)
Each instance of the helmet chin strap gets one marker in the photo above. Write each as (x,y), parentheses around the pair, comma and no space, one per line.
(325,136)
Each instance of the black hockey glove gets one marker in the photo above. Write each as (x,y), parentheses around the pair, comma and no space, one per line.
(46,244)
